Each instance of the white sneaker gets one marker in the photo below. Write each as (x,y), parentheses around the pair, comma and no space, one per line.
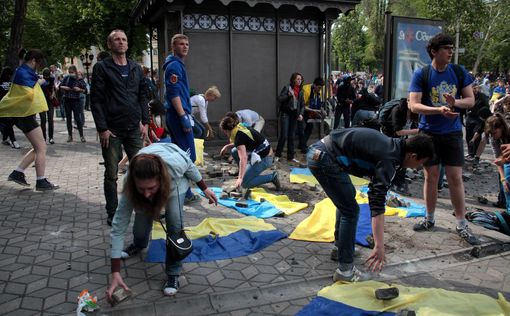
(15,145)
(354,275)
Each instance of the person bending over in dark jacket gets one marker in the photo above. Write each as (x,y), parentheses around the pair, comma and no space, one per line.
(362,152)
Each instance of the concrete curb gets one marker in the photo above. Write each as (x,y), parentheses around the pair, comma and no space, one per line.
(214,303)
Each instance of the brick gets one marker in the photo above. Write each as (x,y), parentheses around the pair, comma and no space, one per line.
(15,288)
(33,303)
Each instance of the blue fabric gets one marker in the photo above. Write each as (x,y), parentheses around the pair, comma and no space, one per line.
(413,210)
(439,83)
(257,209)
(303,171)
(210,248)
(25,76)
(326,307)
(364,227)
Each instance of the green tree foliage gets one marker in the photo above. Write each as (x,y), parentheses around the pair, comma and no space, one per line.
(66,28)
(349,42)
(490,52)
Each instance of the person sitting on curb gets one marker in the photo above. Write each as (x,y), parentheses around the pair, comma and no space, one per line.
(252,152)
(362,152)
(158,178)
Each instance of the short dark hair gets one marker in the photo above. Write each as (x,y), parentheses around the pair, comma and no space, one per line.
(6,74)
(36,54)
(421,145)
(438,41)
(318,81)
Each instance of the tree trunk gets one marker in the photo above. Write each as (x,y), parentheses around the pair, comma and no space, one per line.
(14,45)
(480,54)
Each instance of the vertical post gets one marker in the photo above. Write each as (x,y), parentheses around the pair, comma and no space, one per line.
(457,35)
(388,80)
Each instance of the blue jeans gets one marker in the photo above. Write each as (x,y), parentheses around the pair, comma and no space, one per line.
(252,176)
(142,228)
(338,186)
(288,123)
(507,180)
(132,143)
(198,130)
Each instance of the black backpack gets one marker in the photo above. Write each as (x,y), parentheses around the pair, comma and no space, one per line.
(384,116)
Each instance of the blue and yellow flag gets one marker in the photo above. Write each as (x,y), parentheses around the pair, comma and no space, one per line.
(25,97)
(358,298)
(304,175)
(218,239)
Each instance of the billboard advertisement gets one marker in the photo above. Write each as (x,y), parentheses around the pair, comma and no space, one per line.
(409,50)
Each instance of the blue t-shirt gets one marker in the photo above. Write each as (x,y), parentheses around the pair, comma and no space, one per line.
(440,83)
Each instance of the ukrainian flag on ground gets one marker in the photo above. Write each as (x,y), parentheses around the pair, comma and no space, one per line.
(275,205)
(218,238)
(320,225)
(25,96)
(356,299)
(304,175)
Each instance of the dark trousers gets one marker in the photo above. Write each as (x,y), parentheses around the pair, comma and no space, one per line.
(73,107)
(112,155)
(471,126)
(47,117)
(288,124)
(345,110)
(7,131)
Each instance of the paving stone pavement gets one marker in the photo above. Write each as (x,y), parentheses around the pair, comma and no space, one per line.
(55,244)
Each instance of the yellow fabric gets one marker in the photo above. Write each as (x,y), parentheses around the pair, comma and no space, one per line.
(218,226)
(281,202)
(22,101)
(240,128)
(303,178)
(425,301)
(320,225)
(199,151)
(496,96)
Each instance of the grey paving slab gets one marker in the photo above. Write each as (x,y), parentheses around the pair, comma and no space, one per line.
(54,244)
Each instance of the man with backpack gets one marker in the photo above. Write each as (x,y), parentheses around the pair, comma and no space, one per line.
(435,94)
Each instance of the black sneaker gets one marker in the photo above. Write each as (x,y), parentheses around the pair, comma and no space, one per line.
(18,177)
(171,286)
(130,251)
(109,220)
(424,225)
(334,253)
(45,185)
(276,182)
(468,235)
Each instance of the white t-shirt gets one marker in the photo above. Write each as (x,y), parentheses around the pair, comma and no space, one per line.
(199,106)
(248,116)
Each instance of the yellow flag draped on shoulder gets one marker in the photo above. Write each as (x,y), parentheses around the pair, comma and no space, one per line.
(25,96)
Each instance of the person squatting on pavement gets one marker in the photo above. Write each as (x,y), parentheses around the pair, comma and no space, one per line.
(252,152)
(119,105)
(362,152)
(251,119)
(23,101)
(435,94)
(177,101)
(157,180)
(199,104)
